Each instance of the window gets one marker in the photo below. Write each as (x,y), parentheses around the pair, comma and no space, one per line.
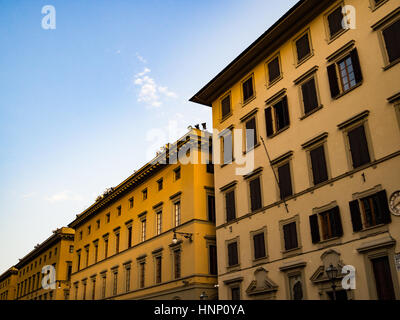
(93,289)
(212,252)
(119,209)
(309,95)
(211,207)
(303,49)
(128,278)
(144,194)
(358,146)
(105,248)
(235,293)
(255,194)
(370,211)
(296,287)
(96,251)
(327,224)
(344,74)
(227,147)
(98,224)
(129,236)
(131,202)
(177,264)
(177,173)
(115,283)
(274,70)
(290,236)
(277,117)
(80,235)
(107,218)
(158,269)
(143,234)
(259,245)
(87,256)
(226,106)
(104,286)
(318,165)
(391,35)
(230,205)
(233,258)
(142,274)
(117,242)
(177,213)
(285,180)
(160,184)
(247,89)
(89,228)
(383,278)
(251,134)
(159,222)
(79,260)
(335,22)
(55,253)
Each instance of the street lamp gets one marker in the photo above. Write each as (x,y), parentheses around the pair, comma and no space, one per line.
(184,234)
(332,273)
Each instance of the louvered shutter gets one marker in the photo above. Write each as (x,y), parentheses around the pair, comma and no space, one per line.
(333,80)
(315,237)
(268,121)
(356,65)
(355,215)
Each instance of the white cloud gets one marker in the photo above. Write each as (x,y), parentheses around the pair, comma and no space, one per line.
(140,58)
(63,196)
(150,92)
(28,195)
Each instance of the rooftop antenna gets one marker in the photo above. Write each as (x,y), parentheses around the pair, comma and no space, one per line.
(276,178)
(204,125)
(197,126)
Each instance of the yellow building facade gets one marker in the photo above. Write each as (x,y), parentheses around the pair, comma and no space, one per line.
(35,281)
(321,89)
(153,235)
(8,284)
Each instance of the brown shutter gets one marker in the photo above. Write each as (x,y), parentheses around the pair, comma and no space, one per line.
(247,89)
(355,215)
(315,237)
(309,92)
(303,47)
(318,163)
(251,125)
(285,182)
(383,278)
(226,106)
(259,246)
(335,21)
(383,206)
(290,236)
(232,254)
(337,229)
(273,69)
(255,194)
(285,112)
(358,146)
(333,81)
(356,65)
(213,259)
(268,121)
(230,206)
(211,208)
(392,36)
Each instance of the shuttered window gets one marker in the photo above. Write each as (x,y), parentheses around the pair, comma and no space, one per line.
(309,93)
(233,254)
(290,236)
(212,251)
(348,71)
(251,134)
(158,269)
(255,194)
(277,117)
(330,225)
(285,181)
(391,35)
(318,165)
(177,264)
(230,205)
(335,21)
(226,106)
(303,47)
(259,246)
(383,278)
(358,147)
(227,144)
(211,208)
(274,70)
(248,91)
(235,293)
(370,211)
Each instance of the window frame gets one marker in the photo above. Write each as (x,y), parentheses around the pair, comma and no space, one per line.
(276,164)
(251,98)
(223,97)
(299,62)
(311,74)
(262,230)
(330,38)
(292,251)
(271,103)
(227,243)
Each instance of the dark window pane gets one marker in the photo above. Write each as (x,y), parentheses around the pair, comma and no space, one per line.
(358,146)
(268,121)
(232,254)
(259,246)
(226,106)
(335,21)
(285,182)
(303,47)
(281,114)
(383,279)
(255,194)
(228,148)
(355,215)
(230,206)
(392,35)
(213,259)
(290,235)
(315,237)
(309,92)
(235,292)
(318,163)
(273,69)
(251,132)
(211,208)
(333,80)
(248,89)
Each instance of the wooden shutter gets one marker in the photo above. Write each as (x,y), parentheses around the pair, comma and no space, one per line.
(268,121)
(383,279)
(358,146)
(211,208)
(318,163)
(285,181)
(259,246)
(230,205)
(309,93)
(383,206)
(315,237)
(333,80)
(232,254)
(337,229)
(355,215)
(251,125)
(255,194)
(213,259)
(226,106)
(285,112)
(273,69)
(248,89)
(356,65)
(335,21)
(303,47)
(290,235)
(392,35)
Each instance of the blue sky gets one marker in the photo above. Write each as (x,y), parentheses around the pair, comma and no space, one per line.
(80,105)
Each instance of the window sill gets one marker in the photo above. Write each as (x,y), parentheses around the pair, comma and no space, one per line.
(375,7)
(291,252)
(333,38)
(225,164)
(226,117)
(259,261)
(275,81)
(370,231)
(278,132)
(306,58)
(346,92)
(391,64)
(311,112)
(329,242)
(233,268)
(244,103)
